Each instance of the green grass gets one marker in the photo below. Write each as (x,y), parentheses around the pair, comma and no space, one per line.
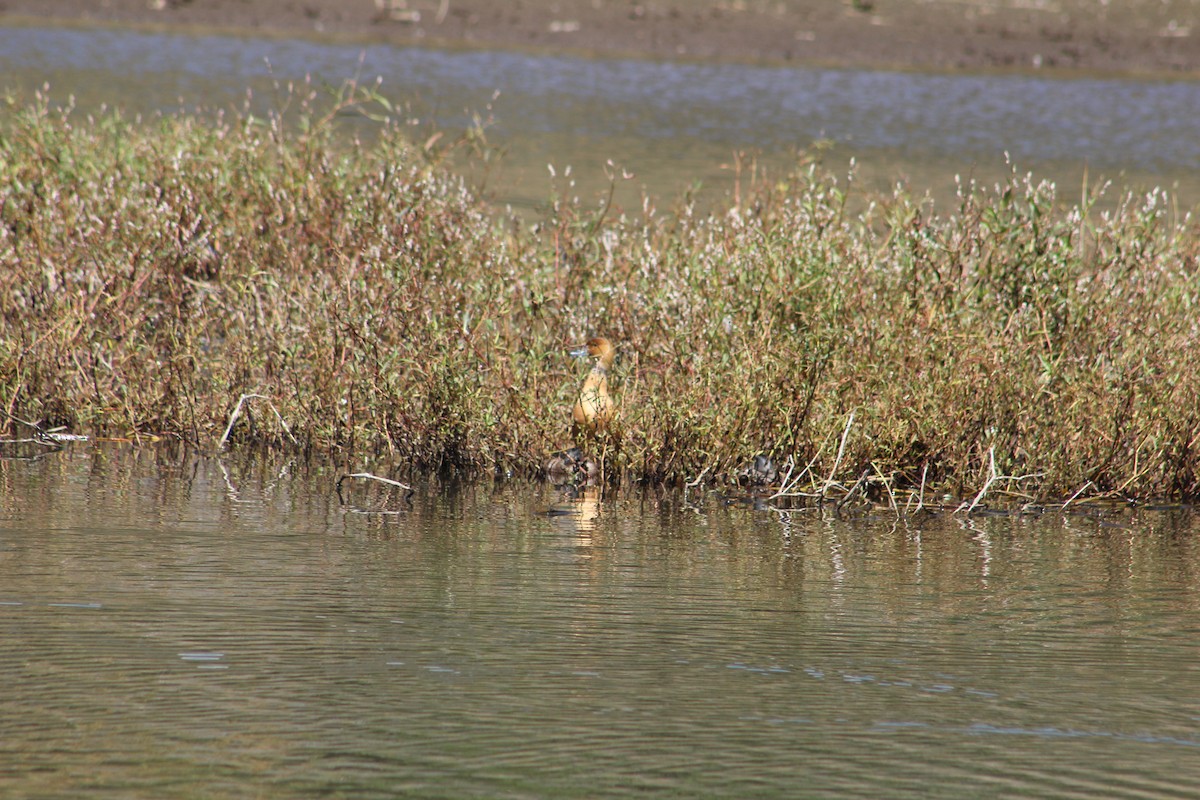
(154,271)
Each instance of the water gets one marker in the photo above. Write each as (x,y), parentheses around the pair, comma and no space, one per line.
(174,625)
(670,124)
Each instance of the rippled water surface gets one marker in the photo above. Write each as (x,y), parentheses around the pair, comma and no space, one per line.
(182,626)
(671,124)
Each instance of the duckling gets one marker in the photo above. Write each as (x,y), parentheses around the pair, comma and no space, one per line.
(760,472)
(595,409)
(571,467)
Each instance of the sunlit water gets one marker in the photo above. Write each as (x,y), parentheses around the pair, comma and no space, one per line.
(672,125)
(181,626)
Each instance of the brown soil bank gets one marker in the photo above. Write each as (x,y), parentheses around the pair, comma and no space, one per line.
(1124,37)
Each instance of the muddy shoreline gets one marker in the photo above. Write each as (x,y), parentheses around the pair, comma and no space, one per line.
(1143,37)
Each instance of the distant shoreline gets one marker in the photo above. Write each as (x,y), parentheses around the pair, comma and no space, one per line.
(1136,38)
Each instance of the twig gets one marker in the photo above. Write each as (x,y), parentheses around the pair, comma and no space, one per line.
(787,476)
(237,412)
(1072,498)
(837,462)
(921,497)
(853,489)
(887,484)
(987,485)
(687,487)
(368,476)
(787,487)
(992,478)
(51,439)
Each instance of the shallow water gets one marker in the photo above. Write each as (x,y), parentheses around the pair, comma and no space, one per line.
(184,626)
(672,125)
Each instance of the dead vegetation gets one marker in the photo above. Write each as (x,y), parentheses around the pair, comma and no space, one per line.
(254,282)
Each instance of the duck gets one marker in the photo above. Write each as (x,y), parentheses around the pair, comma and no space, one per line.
(760,472)
(595,409)
(571,467)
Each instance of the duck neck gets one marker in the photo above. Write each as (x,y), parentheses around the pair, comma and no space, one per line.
(604,361)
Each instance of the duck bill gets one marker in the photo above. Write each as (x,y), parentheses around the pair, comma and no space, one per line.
(579,352)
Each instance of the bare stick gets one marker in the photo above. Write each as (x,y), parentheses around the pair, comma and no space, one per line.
(368,476)
(987,485)
(992,478)
(853,490)
(52,439)
(41,435)
(237,412)
(887,484)
(788,487)
(1072,498)
(787,476)
(921,497)
(791,465)
(837,462)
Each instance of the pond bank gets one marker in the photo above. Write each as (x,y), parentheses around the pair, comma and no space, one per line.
(1130,38)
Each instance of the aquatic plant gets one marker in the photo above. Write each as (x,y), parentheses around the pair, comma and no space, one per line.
(158,275)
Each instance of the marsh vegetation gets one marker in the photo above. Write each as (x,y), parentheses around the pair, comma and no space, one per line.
(153,273)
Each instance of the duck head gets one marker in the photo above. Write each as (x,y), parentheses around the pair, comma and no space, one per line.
(598,348)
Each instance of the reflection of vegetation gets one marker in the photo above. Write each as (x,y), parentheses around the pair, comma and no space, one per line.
(154,273)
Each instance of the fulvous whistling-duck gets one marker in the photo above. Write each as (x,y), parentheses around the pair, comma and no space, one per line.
(595,408)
